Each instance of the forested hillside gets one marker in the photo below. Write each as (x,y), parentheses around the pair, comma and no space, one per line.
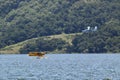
(25,19)
(107,39)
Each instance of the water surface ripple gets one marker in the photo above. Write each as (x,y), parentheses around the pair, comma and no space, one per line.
(60,67)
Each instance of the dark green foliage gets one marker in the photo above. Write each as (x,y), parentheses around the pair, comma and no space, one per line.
(44,45)
(107,39)
(25,19)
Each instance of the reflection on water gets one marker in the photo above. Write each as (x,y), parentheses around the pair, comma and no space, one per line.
(60,67)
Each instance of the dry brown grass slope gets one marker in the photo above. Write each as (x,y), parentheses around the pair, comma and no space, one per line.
(14,49)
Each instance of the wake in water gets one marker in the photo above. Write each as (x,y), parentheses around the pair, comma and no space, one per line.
(45,57)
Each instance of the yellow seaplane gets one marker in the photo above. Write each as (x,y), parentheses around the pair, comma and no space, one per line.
(38,54)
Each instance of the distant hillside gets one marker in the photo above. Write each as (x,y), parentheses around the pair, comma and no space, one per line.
(22,20)
(105,40)
(15,48)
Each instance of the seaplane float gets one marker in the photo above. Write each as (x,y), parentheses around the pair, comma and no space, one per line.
(38,54)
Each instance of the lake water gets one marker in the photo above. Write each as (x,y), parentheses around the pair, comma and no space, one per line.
(60,67)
